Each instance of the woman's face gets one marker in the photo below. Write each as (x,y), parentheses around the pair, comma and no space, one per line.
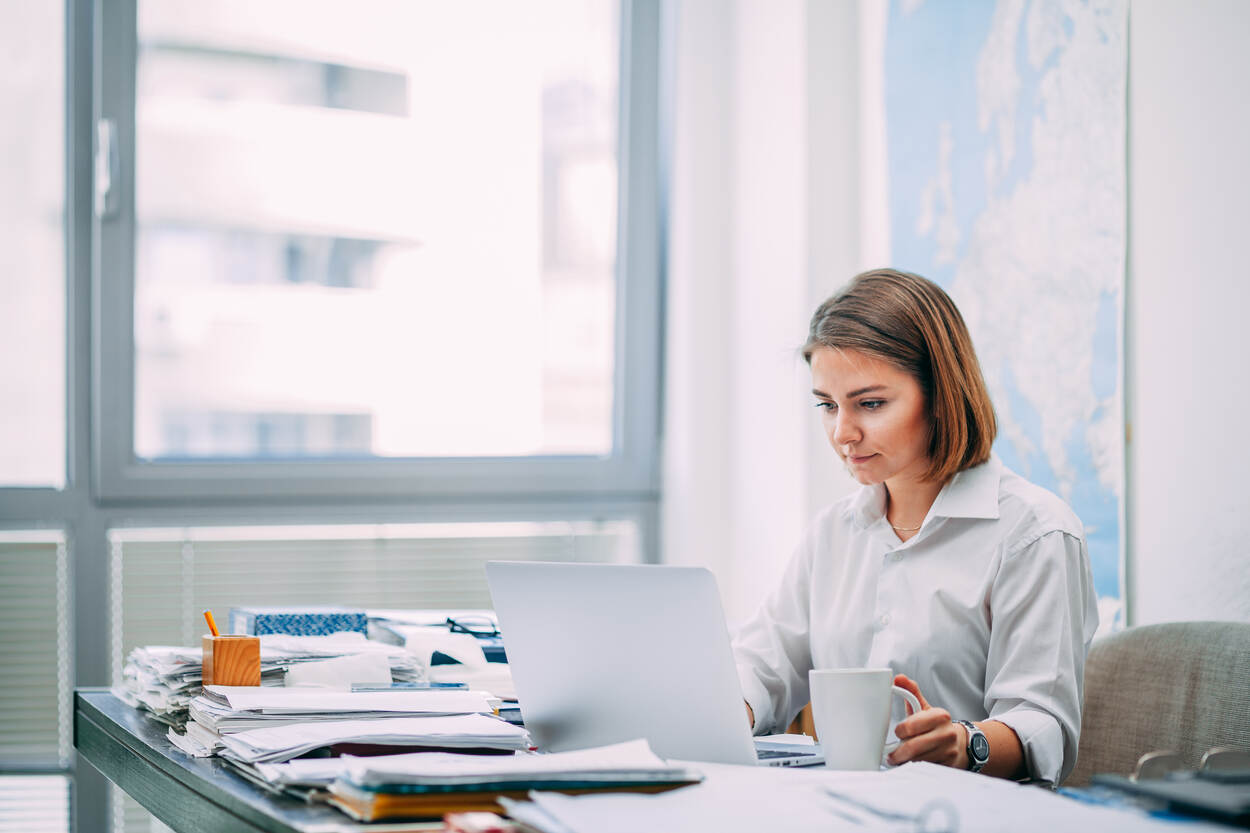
(874,415)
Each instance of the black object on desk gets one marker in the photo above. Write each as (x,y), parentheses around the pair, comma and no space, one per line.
(188,794)
(484,630)
(1220,795)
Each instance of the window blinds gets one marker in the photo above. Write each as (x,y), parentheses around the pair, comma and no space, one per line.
(35,683)
(34,651)
(34,804)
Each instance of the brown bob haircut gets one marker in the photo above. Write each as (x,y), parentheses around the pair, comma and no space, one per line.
(912,323)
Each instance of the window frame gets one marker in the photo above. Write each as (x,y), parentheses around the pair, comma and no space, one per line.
(629,471)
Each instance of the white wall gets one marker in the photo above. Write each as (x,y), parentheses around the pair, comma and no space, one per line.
(1188,310)
(759,230)
(696,447)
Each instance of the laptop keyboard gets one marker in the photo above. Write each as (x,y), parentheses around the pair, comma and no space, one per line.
(768,754)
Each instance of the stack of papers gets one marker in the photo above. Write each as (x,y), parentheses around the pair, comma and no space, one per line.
(224,710)
(237,709)
(429,785)
(312,702)
(163,679)
(282,743)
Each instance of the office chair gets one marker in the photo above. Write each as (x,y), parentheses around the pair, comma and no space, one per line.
(1180,686)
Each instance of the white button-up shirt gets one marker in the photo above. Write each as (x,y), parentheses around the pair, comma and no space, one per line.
(989,607)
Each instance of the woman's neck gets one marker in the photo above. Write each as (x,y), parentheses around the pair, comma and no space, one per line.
(907,503)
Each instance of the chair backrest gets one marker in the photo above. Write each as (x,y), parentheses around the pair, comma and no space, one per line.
(1180,686)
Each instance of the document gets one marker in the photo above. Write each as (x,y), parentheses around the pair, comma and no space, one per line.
(909,798)
(632,761)
(323,701)
(422,642)
(303,772)
(225,720)
(341,672)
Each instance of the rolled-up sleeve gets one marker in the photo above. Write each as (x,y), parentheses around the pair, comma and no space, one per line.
(772,649)
(1044,614)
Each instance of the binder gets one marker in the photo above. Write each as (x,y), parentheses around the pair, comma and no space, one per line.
(1222,795)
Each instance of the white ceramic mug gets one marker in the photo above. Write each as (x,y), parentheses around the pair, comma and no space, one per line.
(851,707)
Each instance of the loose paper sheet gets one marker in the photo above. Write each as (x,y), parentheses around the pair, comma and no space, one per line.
(341,672)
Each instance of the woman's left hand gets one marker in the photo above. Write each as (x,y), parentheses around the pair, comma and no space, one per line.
(929,735)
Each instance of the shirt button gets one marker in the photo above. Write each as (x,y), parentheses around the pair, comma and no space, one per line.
(898,556)
(885,620)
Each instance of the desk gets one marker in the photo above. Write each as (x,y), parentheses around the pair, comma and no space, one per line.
(201,795)
(191,795)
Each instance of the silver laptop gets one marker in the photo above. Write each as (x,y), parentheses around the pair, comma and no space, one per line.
(603,653)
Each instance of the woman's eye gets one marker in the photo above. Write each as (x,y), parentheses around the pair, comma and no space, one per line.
(826,406)
(872,404)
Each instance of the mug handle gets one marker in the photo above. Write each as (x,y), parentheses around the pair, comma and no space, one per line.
(890,746)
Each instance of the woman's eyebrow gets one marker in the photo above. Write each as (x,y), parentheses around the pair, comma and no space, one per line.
(852,394)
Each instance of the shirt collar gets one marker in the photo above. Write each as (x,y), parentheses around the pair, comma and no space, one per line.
(868,505)
(971,493)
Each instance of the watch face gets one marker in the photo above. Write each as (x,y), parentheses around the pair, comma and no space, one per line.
(980,747)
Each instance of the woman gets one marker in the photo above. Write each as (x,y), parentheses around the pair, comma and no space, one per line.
(971,583)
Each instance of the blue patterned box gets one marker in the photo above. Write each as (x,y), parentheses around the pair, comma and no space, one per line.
(299,621)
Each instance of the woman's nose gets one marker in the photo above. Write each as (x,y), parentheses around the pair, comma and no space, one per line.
(845,431)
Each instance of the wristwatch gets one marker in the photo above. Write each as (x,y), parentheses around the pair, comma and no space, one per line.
(978,746)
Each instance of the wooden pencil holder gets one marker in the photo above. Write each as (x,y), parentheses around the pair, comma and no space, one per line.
(231,659)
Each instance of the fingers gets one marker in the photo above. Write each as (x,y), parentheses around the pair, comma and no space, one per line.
(905,682)
(926,721)
(940,744)
(927,735)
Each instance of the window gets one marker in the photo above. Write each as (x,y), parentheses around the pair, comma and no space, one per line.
(32,262)
(398,237)
(393,246)
(299,267)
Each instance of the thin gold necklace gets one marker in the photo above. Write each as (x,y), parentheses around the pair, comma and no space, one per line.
(901,528)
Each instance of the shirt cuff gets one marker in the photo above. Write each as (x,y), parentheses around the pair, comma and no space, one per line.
(1042,740)
(757,698)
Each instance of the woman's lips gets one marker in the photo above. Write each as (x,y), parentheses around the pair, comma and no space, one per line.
(859,461)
